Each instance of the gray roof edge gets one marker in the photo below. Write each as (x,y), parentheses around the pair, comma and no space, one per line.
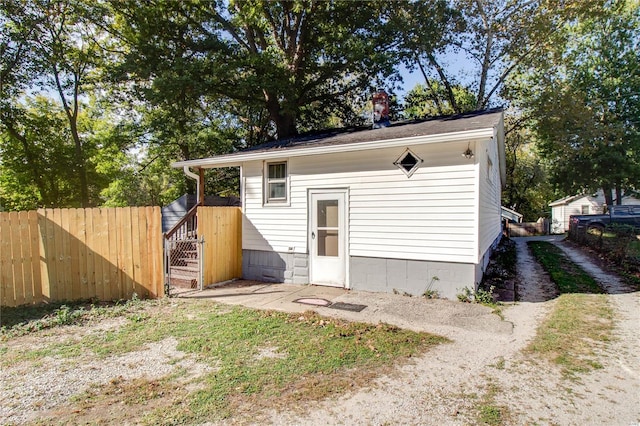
(236,159)
(438,129)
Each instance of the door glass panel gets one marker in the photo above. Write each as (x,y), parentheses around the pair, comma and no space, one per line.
(327,213)
(328,243)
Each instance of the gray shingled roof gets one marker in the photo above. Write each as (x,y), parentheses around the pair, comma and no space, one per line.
(434,126)
(356,139)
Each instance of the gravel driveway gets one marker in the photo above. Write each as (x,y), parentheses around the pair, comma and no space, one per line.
(442,387)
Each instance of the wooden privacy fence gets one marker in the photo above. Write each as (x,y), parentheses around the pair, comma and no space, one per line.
(72,254)
(527,229)
(221,229)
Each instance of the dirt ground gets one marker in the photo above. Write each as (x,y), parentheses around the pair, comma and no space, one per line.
(444,385)
(485,363)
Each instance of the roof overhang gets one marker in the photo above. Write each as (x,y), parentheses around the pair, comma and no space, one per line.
(566,200)
(498,134)
(511,214)
(236,159)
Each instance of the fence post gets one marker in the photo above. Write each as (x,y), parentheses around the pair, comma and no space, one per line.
(201,264)
(166,271)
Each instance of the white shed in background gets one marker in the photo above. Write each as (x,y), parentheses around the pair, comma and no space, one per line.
(563,208)
(397,208)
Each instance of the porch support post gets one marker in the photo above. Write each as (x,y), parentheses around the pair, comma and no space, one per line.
(201,186)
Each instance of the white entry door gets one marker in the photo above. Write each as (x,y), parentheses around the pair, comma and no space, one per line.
(327,237)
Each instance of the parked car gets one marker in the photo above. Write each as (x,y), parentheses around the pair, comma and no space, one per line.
(624,215)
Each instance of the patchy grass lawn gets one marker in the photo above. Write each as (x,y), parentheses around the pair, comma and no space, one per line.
(581,320)
(255,359)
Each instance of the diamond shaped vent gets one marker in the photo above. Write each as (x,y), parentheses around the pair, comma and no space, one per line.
(408,162)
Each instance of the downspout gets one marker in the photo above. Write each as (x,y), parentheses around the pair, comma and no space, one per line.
(196,178)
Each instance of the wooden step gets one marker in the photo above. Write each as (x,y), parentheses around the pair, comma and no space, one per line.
(191,254)
(184,270)
(186,261)
(183,282)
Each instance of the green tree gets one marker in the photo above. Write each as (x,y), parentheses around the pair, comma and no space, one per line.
(583,97)
(422,101)
(297,60)
(492,37)
(36,160)
(48,46)
(527,189)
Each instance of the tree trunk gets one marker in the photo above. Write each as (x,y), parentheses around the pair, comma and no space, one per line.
(486,57)
(607,196)
(80,163)
(446,82)
(286,125)
(434,95)
(72,117)
(285,121)
(618,195)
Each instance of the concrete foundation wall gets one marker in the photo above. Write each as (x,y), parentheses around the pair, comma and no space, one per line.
(411,276)
(270,266)
(368,273)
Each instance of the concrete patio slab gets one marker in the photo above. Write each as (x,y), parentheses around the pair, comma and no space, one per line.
(258,295)
(414,313)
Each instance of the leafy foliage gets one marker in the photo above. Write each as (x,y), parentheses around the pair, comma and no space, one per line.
(134,85)
(290,59)
(527,189)
(423,102)
(582,94)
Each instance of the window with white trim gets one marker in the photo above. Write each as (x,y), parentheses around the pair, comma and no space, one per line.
(276,183)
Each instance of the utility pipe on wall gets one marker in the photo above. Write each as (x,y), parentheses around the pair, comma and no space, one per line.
(196,178)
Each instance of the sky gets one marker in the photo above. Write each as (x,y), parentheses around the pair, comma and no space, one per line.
(455,64)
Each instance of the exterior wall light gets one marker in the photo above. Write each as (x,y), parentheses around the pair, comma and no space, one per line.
(468,154)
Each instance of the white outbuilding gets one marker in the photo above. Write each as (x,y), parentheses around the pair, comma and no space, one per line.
(580,204)
(403,208)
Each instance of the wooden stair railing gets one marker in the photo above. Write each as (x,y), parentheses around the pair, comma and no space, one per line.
(182,266)
(188,224)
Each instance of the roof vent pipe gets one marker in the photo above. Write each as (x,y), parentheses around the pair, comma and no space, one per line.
(194,177)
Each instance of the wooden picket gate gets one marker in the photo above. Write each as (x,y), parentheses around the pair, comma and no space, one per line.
(75,254)
(221,230)
(204,248)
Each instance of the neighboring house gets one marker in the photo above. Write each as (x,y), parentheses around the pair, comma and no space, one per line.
(579,204)
(399,209)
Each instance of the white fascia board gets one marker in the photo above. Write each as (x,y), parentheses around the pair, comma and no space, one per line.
(235,160)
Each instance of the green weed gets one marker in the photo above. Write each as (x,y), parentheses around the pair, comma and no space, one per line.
(22,320)
(429,292)
(581,320)
(568,276)
(315,358)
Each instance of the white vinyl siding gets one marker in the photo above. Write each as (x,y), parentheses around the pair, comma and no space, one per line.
(488,195)
(431,215)
(276,227)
